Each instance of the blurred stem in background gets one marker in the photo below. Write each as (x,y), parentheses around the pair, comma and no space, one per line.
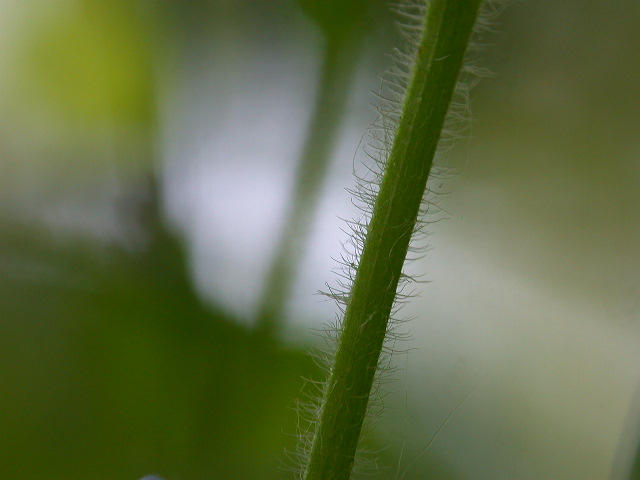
(626,463)
(635,468)
(343,42)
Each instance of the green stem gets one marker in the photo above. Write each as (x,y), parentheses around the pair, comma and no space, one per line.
(448,26)
(337,72)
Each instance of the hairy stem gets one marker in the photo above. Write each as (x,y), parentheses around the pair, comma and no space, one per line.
(448,26)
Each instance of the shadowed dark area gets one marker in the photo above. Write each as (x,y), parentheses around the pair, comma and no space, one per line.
(112,367)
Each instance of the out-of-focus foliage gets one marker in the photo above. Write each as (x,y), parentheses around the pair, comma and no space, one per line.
(93,65)
(339,18)
(112,365)
(79,96)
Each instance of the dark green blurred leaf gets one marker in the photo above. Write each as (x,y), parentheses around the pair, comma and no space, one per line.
(111,367)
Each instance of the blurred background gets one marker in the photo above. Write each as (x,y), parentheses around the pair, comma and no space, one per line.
(172,183)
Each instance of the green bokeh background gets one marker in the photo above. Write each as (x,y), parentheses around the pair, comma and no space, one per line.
(113,365)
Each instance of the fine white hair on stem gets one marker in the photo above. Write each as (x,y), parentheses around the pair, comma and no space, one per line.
(391,98)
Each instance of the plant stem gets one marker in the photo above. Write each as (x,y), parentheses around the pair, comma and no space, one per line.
(448,26)
(337,72)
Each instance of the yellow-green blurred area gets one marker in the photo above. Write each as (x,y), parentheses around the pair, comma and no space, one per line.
(147,154)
